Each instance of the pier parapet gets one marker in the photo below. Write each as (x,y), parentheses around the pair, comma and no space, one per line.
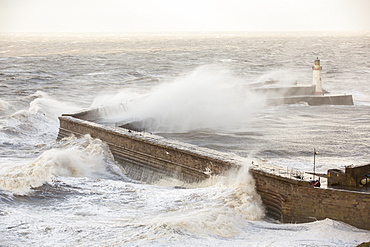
(143,153)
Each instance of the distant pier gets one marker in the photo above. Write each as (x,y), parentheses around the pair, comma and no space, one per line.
(313,95)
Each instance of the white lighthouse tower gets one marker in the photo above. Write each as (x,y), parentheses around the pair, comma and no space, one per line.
(316,80)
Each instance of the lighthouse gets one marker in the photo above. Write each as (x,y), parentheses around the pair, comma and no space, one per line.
(316,80)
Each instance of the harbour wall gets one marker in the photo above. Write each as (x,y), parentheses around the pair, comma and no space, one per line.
(143,154)
(297,94)
(313,100)
(294,201)
(285,199)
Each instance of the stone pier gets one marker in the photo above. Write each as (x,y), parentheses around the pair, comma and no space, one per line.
(285,199)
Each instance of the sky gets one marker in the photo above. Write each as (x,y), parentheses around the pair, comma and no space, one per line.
(183,15)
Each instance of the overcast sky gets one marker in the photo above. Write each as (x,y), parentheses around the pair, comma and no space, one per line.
(184,15)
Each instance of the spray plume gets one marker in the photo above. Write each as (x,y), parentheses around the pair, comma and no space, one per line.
(210,97)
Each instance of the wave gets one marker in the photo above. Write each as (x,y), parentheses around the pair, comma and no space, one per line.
(36,125)
(220,209)
(46,105)
(84,157)
(4,106)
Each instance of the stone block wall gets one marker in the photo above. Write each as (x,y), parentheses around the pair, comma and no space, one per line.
(298,201)
(134,149)
(351,177)
(355,174)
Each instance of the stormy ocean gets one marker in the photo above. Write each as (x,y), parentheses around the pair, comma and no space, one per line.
(196,87)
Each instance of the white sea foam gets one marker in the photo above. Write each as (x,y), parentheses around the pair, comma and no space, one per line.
(76,158)
(37,124)
(220,209)
(52,108)
(4,106)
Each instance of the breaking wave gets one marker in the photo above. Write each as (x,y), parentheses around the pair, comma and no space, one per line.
(36,125)
(4,106)
(84,157)
(220,209)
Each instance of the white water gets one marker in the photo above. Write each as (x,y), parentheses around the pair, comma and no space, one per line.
(72,193)
(210,97)
(84,157)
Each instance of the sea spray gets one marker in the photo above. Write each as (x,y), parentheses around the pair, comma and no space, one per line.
(84,157)
(282,77)
(210,97)
(221,209)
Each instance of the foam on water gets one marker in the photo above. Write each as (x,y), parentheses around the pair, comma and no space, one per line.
(36,125)
(220,209)
(108,212)
(4,106)
(52,108)
(85,157)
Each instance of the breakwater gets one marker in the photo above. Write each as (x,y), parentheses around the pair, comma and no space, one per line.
(143,154)
(293,200)
(295,94)
(285,199)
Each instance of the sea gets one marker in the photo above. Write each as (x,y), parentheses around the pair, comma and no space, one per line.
(197,89)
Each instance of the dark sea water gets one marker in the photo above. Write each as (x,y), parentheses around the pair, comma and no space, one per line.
(197,88)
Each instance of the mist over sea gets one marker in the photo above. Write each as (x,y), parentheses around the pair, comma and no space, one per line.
(197,89)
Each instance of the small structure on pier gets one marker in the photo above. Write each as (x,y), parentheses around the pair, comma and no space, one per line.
(316,78)
(352,176)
